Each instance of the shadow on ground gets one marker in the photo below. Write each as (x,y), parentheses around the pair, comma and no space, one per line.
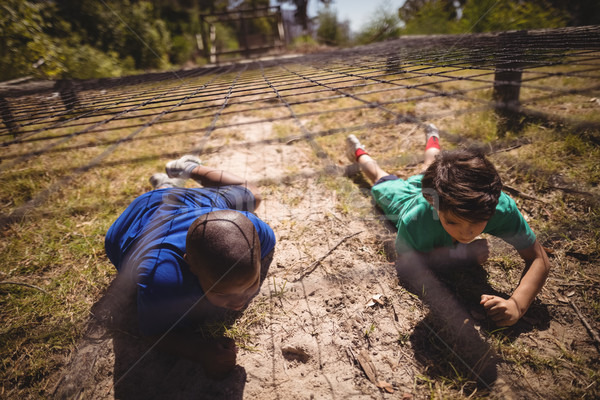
(114,361)
(450,341)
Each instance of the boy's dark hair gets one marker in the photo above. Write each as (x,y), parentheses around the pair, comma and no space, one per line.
(226,243)
(463,182)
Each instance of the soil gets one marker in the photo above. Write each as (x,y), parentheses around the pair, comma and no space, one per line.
(331,320)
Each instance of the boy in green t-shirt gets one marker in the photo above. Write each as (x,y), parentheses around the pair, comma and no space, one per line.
(440,213)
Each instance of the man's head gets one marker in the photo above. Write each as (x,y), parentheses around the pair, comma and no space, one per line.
(223,251)
(464,187)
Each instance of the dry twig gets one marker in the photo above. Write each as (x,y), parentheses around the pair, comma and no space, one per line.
(587,325)
(318,262)
(517,192)
(23,284)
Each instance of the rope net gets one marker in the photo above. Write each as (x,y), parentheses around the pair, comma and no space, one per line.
(74,154)
(509,77)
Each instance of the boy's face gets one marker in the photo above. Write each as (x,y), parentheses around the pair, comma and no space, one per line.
(460,229)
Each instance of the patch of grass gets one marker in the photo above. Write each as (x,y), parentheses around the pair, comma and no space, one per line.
(59,246)
(241,330)
(479,125)
(284,129)
(369,330)
(278,290)
(351,200)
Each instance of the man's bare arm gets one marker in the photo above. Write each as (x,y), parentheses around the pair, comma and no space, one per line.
(212,177)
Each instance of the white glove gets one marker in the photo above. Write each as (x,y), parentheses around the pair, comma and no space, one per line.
(183,167)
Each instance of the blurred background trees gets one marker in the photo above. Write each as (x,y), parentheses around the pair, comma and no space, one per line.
(55,39)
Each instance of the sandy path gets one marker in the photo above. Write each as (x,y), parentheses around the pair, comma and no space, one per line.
(310,332)
(310,328)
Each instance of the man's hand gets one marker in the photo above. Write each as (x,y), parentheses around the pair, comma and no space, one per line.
(218,357)
(503,312)
(183,167)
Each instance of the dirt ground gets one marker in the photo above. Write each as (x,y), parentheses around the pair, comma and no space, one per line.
(331,320)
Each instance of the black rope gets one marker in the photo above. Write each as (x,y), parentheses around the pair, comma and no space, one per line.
(37,122)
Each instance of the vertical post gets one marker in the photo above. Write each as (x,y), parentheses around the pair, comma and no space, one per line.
(8,118)
(245,43)
(66,90)
(393,64)
(507,81)
(280,30)
(213,45)
(205,37)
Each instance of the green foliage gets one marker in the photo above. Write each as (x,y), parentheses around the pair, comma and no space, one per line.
(72,39)
(22,38)
(384,24)
(225,38)
(433,17)
(411,8)
(151,32)
(86,62)
(440,16)
(503,15)
(182,48)
(331,31)
(304,40)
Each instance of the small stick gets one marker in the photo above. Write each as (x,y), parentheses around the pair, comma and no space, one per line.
(316,263)
(587,325)
(23,284)
(517,192)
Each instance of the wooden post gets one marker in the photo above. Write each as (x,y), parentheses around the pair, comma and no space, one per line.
(8,118)
(245,42)
(393,64)
(213,44)
(507,81)
(66,90)
(280,29)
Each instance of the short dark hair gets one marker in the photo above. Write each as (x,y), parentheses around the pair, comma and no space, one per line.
(227,244)
(463,182)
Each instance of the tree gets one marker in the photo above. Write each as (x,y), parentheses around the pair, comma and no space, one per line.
(383,24)
(330,31)
(579,12)
(466,16)
(433,17)
(411,8)
(128,28)
(504,15)
(301,13)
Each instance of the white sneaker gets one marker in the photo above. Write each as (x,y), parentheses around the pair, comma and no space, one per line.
(353,144)
(183,167)
(431,130)
(161,180)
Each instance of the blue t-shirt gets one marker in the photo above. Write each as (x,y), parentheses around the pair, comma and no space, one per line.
(148,242)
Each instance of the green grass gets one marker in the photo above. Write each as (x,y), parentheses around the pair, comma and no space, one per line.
(59,247)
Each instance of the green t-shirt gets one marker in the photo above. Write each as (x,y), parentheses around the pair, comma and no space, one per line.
(418,224)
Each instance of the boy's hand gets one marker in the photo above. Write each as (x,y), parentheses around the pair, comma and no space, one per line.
(479,250)
(503,312)
(183,167)
(219,357)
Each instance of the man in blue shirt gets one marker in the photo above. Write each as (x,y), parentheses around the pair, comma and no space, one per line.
(193,254)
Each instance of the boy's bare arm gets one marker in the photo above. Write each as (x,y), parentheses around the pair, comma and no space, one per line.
(506,312)
(212,177)
(476,251)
